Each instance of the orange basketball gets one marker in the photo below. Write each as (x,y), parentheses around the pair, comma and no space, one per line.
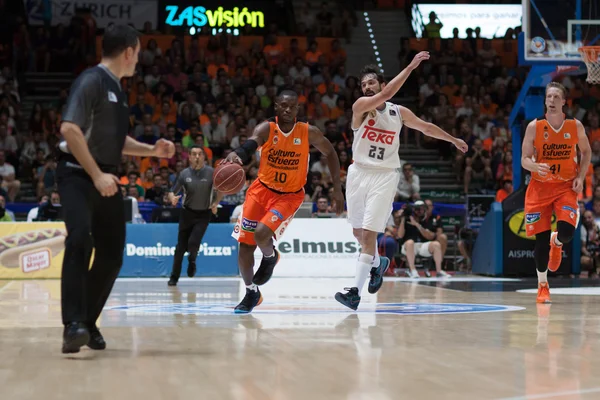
(229,178)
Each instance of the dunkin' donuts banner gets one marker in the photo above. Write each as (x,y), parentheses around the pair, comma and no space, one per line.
(31,250)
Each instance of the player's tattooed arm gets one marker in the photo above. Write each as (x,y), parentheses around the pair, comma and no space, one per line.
(369,103)
(412,121)
(528,151)
(316,138)
(244,153)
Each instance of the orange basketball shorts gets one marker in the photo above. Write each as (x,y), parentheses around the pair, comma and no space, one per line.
(262,205)
(543,198)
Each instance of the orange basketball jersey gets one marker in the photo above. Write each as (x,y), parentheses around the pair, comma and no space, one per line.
(284,158)
(558,149)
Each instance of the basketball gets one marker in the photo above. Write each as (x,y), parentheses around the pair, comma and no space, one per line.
(229,178)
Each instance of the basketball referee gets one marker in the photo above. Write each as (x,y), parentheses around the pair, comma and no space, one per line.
(94,127)
(197,184)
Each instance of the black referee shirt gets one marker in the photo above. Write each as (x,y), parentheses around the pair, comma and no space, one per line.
(197,186)
(99,106)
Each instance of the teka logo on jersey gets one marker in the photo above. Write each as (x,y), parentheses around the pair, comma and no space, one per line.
(378,135)
(131,250)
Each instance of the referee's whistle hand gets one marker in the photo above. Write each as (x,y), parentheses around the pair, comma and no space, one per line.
(107,184)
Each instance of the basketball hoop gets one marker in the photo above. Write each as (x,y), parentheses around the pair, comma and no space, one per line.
(591,57)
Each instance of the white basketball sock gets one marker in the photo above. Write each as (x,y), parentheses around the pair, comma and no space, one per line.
(363,269)
(252,287)
(542,276)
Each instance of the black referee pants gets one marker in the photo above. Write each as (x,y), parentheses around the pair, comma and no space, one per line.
(93,223)
(192,226)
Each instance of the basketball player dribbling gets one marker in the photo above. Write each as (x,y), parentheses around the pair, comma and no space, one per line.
(550,154)
(373,177)
(273,199)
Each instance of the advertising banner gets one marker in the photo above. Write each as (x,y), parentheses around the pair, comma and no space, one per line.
(233,16)
(54,12)
(36,250)
(31,250)
(492,19)
(518,248)
(149,251)
(316,248)
(477,208)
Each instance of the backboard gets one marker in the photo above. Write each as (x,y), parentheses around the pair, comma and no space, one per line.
(554,30)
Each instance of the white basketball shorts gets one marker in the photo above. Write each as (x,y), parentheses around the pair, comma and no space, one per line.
(370,196)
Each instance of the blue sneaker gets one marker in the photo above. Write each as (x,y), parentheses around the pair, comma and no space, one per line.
(377,275)
(351,299)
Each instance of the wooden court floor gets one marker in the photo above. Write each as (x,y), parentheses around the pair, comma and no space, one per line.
(460,339)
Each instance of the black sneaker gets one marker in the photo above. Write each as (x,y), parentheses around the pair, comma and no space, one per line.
(191,270)
(75,335)
(252,299)
(265,271)
(377,275)
(96,341)
(172,282)
(351,299)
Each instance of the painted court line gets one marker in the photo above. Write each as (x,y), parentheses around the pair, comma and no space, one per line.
(553,395)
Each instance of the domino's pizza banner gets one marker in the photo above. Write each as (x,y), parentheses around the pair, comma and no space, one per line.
(36,250)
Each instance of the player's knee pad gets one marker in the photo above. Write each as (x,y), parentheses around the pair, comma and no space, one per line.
(565,231)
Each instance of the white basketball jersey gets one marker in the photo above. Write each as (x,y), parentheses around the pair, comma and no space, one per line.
(377,140)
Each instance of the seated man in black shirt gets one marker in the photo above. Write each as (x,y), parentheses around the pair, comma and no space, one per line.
(419,239)
(50,210)
(156,192)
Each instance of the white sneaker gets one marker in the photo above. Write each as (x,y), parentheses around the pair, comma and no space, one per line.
(444,274)
(414,274)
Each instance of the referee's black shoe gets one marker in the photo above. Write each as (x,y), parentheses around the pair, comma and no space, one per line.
(96,341)
(265,271)
(75,335)
(191,271)
(252,299)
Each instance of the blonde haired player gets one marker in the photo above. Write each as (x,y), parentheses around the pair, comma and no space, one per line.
(373,177)
(550,153)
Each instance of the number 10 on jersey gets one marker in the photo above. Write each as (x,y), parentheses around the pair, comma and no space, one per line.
(376,152)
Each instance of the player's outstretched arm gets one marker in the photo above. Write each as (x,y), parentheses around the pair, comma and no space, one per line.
(527,152)
(163,148)
(412,121)
(586,156)
(244,153)
(368,103)
(316,138)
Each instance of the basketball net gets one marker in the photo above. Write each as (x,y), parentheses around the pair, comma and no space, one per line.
(591,57)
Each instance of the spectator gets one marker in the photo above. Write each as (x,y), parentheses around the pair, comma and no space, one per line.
(9,182)
(156,192)
(419,239)
(477,165)
(33,213)
(432,29)
(323,208)
(435,223)
(408,185)
(50,210)
(590,244)
(504,191)
(5,215)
